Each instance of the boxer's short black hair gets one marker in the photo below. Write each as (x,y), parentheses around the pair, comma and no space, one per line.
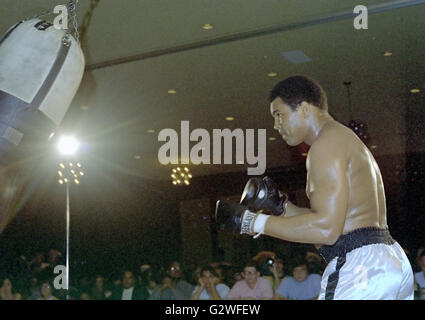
(297,89)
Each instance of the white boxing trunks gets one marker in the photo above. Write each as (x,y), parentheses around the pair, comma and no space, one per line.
(366,264)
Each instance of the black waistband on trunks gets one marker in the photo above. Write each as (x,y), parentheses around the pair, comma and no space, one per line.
(356,239)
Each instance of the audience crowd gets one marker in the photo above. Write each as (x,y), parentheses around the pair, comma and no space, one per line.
(268,275)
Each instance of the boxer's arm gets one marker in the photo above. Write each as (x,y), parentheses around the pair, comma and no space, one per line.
(292,210)
(324,222)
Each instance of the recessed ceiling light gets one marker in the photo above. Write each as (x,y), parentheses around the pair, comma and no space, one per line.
(151,131)
(137,157)
(229,118)
(207,26)
(172,91)
(388,54)
(272,138)
(415,90)
(84,108)
(296,56)
(272,74)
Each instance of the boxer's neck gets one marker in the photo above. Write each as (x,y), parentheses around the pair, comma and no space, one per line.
(317,121)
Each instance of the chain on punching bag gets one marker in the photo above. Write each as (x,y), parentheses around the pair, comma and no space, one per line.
(41,68)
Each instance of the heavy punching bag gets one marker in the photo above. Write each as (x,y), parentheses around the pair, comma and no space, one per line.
(41,68)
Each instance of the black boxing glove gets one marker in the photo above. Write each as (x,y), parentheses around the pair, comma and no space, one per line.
(233,217)
(263,194)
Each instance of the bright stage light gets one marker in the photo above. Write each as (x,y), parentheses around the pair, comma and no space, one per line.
(68,145)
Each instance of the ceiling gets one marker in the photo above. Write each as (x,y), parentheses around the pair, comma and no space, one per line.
(138,50)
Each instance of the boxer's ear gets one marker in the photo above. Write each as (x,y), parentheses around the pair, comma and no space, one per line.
(305,108)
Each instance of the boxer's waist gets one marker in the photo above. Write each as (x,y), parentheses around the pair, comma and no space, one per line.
(356,239)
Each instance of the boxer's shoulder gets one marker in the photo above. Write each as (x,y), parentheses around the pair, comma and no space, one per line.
(335,131)
(330,150)
(333,140)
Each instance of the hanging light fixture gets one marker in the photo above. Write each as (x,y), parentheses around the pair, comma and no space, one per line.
(181,176)
(359,127)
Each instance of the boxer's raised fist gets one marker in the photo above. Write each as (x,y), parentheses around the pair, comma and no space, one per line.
(233,217)
(263,194)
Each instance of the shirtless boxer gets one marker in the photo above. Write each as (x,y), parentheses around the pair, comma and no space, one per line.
(347,219)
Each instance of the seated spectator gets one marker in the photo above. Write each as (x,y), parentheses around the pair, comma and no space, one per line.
(54,258)
(420,276)
(99,292)
(225,272)
(236,275)
(38,263)
(253,286)
(228,274)
(7,292)
(278,272)
(271,268)
(173,287)
(315,263)
(144,269)
(82,284)
(85,296)
(209,286)
(46,291)
(34,289)
(192,273)
(262,259)
(129,289)
(218,268)
(302,285)
(195,275)
(151,277)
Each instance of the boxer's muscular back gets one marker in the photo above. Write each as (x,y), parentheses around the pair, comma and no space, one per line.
(366,201)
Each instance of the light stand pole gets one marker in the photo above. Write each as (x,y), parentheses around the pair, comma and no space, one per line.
(68,214)
(68,174)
